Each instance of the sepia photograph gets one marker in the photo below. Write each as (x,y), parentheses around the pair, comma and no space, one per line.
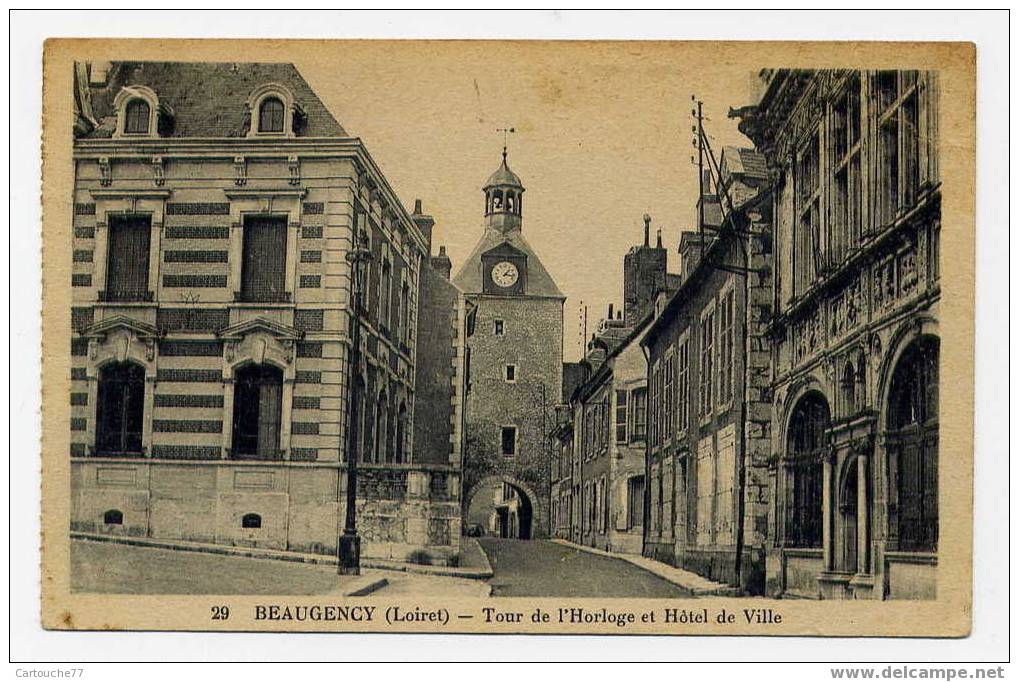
(508,337)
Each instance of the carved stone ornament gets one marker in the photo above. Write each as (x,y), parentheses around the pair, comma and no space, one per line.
(105,171)
(294,165)
(158,171)
(240,171)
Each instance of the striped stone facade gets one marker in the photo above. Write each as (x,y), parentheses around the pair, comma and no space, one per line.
(192,332)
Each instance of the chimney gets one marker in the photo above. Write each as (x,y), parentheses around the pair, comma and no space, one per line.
(441,263)
(610,312)
(647,229)
(690,247)
(99,73)
(659,245)
(425,223)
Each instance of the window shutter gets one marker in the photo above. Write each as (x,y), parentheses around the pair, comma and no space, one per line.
(127,272)
(263,271)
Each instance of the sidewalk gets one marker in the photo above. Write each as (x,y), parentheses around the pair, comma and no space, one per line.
(697,585)
(471,573)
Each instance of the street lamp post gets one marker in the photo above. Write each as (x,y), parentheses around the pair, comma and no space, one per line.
(349,546)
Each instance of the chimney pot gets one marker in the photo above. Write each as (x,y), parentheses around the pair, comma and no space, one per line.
(417,207)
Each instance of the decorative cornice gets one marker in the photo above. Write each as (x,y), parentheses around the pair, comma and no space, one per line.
(279,331)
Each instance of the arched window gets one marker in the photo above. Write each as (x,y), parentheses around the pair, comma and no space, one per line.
(113,517)
(251,521)
(510,202)
(380,428)
(497,200)
(913,444)
(270,115)
(401,432)
(805,451)
(120,405)
(849,389)
(136,117)
(258,400)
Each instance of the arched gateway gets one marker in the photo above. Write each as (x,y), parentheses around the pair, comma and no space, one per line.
(518,512)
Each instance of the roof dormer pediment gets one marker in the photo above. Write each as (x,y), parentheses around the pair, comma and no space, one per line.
(260,324)
(104,328)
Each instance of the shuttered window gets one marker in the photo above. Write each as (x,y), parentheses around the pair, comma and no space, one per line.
(127,268)
(807,445)
(120,406)
(258,401)
(137,117)
(264,265)
(913,443)
(270,116)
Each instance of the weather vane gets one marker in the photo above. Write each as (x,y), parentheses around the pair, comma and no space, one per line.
(505,138)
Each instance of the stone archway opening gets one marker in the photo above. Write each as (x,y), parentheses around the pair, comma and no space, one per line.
(500,506)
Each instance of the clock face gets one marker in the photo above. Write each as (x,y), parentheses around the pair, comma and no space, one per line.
(505,274)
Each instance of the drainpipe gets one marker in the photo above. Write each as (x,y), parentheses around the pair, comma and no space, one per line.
(646,502)
(741,473)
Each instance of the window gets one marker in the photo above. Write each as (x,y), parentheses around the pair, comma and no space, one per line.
(806,448)
(401,432)
(913,444)
(668,417)
(251,521)
(846,180)
(639,428)
(258,401)
(654,406)
(270,115)
(113,517)
(405,313)
(726,341)
(898,142)
(635,502)
(509,441)
(621,416)
(127,263)
(707,362)
(385,293)
(498,328)
(136,121)
(807,242)
(606,511)
(510,374)
(682,385)
(381,422)
(264,259)
(120,404)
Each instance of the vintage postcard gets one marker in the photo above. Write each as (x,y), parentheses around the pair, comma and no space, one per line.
(311,361)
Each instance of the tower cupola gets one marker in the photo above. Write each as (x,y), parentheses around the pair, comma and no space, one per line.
(503,199)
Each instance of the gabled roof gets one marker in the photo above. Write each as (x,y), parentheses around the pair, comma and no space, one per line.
(539,281)
(740,161)
(208,99)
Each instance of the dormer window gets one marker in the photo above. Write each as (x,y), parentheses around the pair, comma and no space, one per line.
(270,115)
(137,113)
(274,112)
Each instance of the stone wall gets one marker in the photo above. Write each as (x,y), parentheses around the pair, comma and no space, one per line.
(300,506)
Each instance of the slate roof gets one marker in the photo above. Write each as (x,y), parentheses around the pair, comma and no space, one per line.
(539,282)
(503,176)
(209,99)
(745,162)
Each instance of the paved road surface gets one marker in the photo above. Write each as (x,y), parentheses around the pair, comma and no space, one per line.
(111,568)
(540,568)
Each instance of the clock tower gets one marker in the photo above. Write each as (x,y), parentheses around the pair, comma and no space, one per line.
(515,360)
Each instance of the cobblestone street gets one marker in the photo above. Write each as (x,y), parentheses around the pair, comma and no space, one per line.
(539,568)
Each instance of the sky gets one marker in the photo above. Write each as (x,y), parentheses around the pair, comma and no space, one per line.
(602,135)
